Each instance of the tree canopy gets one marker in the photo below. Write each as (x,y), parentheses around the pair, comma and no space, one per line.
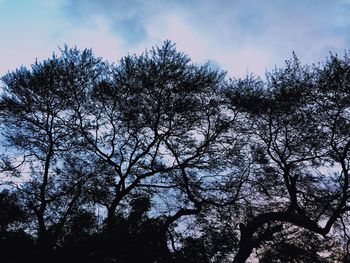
(158,159)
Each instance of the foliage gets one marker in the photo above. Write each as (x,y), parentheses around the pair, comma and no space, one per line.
(157,159)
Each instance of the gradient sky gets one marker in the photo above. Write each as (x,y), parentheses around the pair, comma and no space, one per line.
(239,36)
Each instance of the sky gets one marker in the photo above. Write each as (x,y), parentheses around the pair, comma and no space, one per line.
(238,36)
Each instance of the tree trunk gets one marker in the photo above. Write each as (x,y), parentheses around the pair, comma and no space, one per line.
(44,247)
(246,244)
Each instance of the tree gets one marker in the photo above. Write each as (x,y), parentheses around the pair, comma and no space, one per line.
(293,245)
(33,108)
(157,159)
(12,220)
(152,125)
(91,135)
(297,136)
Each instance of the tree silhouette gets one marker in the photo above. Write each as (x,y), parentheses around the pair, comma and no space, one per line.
(33,109)
(12,232)
(158,159)
(293,134)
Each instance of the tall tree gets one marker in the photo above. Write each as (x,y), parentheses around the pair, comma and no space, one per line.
(152,125)
(33,109)
(297,134)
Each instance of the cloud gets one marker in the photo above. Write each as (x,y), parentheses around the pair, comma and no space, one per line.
(24,38)
(125,17)
(239,36)
(99,38)
(27,38)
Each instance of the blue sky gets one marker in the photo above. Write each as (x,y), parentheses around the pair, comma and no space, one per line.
(239,36)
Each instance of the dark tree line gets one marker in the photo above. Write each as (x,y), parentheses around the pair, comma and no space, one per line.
(157,159)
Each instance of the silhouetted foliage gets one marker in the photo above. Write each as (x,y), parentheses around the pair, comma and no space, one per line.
(157,159)
(12,232)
